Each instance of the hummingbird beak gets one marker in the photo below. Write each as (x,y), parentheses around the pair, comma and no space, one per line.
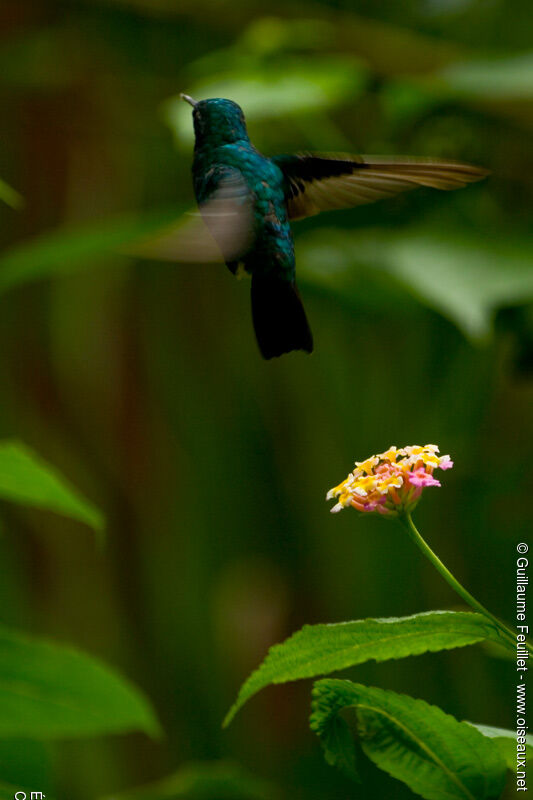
(188,99)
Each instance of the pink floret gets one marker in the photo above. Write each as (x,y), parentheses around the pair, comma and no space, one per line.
(372,505)
(446,463)
(421,478)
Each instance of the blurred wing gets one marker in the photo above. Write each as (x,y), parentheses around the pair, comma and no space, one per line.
(221,231)
(316,182)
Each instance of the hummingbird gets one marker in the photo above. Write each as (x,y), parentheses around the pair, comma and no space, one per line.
(248,200)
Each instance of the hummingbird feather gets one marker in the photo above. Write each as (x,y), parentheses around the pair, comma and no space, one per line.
(317,182)
(220,231)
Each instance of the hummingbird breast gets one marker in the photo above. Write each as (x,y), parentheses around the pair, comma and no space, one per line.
(271,253)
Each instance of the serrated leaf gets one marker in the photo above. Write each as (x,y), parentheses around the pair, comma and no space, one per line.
(28,480)
(465,278)
(507,742)
(51,691)
(218,780)
(438,757)
(321,649)
(339,751)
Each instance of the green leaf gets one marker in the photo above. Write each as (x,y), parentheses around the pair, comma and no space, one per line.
(463,277)
(321,649)
(26,479)
(438,757)
(337,742)
(507,742)
(217,780)
(51,691)
(70,250)
(10,196)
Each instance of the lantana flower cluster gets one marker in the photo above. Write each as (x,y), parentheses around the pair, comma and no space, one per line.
(390,483)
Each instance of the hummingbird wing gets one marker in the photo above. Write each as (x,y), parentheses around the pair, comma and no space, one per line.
(220,231)
(317,182)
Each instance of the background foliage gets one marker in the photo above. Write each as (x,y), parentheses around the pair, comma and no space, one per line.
(141,381)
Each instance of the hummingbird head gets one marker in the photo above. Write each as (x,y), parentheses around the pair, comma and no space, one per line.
(217,121)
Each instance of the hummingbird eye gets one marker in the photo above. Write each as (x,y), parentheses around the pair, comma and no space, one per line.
(199,122)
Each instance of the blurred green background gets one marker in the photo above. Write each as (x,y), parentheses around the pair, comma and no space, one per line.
(142,381)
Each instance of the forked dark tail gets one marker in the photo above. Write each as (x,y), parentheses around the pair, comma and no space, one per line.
(279,318)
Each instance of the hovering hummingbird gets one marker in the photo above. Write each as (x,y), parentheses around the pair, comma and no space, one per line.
(247,201)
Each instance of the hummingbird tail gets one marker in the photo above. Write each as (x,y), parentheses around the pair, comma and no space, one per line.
(279,318)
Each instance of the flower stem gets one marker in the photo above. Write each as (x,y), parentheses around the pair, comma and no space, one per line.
(505,632)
